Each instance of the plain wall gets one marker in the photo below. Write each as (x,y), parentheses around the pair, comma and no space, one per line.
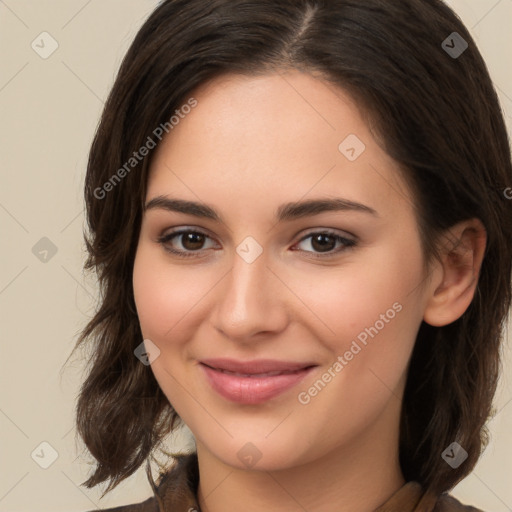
(49,109)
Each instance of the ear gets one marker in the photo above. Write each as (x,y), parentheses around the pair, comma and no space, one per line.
(462,254)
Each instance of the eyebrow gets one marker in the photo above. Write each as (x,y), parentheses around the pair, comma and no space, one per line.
(286,212)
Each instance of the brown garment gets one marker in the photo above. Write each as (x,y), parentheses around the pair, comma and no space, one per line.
(177,489)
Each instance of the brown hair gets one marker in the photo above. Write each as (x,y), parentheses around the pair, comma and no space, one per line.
(438,116)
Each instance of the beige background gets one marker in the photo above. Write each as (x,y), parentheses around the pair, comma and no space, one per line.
(49,109)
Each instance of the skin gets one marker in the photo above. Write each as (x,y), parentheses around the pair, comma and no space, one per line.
(250,145)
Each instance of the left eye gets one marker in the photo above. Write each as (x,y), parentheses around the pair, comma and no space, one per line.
(325,241)
(192,242)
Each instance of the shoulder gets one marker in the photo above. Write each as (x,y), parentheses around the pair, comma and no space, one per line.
(447,503)
(175,488)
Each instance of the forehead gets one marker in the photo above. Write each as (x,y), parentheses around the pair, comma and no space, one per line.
(276,136)
(271,112)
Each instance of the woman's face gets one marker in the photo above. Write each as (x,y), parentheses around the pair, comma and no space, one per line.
(269,279)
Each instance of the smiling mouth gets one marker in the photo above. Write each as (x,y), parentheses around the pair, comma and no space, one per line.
(253,382)
(259,375)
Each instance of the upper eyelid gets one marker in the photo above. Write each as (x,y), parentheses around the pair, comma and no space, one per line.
(329,231)
(184,230)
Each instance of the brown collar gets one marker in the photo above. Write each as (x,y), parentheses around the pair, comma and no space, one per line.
(177,491)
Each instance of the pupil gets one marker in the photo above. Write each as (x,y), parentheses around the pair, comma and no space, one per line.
(322,245)
(191,241)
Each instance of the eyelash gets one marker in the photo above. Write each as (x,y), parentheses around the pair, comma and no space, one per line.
(347,243)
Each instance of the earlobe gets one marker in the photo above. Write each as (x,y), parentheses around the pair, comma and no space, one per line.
(461,259)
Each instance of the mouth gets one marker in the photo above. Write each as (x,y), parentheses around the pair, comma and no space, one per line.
(253,382)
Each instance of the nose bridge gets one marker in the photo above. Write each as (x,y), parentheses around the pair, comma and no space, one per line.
(249,299)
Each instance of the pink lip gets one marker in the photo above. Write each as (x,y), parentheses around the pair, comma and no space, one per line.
(253,382)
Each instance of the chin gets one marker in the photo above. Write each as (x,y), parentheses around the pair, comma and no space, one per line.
(258,453)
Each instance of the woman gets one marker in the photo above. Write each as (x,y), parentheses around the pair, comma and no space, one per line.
(297,217)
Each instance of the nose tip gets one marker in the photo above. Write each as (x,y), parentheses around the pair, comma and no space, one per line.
(249,299)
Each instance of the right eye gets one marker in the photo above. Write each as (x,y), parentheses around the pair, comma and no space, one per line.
(191,241)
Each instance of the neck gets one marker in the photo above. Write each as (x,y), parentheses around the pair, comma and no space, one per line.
(357,477)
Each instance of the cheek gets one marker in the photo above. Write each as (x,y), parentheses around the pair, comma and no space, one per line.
(167,302)
(163,296)
(370,292)
(376,317)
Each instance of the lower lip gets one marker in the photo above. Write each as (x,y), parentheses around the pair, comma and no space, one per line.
(252,390)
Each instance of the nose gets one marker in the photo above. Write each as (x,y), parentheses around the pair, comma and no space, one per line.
(250,301)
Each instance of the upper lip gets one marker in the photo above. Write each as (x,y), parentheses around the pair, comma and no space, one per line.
(255,366)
